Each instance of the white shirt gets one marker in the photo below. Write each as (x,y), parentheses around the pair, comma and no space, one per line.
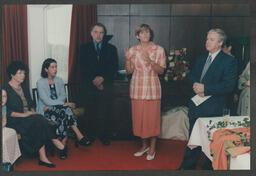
(214,54)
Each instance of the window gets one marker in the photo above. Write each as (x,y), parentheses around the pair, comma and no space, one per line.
(57,35)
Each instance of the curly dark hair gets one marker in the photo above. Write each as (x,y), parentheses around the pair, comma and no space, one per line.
(47,62)
(14,67)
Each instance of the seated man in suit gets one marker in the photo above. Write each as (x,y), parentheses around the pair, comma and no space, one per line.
(98,66)
(214,74)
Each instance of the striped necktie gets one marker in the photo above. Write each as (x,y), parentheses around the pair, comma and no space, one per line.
(206,66)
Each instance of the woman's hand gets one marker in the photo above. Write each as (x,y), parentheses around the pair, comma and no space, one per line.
(70,104)
(145,56)
(129,66)
(247,83)
(45,108)
(29,113)
(127,54)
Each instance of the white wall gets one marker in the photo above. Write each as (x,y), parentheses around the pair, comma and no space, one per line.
(35,42)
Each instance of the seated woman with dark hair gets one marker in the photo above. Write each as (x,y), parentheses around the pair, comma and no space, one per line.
(34,129)
(51,103)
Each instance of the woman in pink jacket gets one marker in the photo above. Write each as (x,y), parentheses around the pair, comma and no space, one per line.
(145,61)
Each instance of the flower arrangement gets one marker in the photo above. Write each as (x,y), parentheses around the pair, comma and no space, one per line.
(177,65)
(227,122)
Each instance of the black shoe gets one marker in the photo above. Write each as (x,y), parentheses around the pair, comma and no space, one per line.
(180,168)
(105,141)
(91,138)
(42,163)
(84,141)
(63,153)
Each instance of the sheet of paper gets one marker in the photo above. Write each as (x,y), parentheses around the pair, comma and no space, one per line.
(199,100)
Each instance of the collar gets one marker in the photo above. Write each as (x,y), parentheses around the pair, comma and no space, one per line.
(152,46)
(100,44)
(214,54)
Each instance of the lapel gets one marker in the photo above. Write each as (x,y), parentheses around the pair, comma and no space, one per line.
(214,66)
(92,49)
(56,86)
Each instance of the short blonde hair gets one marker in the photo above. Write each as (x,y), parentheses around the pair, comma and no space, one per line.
(143,27)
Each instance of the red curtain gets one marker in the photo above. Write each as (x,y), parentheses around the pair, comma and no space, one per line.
(14,33)
(83,17)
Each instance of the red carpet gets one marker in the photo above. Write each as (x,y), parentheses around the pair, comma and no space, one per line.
(117,156)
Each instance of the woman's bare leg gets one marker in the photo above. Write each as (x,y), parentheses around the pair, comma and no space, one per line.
(152,145)
(42,155)
(144,145)
(79,135)
(58,144)
(64,140)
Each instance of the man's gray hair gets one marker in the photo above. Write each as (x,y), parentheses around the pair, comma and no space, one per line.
(222,34)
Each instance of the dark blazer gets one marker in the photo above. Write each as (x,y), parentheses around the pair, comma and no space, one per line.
(90,66)
(219,81)
(14,102)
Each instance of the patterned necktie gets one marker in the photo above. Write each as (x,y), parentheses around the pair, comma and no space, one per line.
(206,66)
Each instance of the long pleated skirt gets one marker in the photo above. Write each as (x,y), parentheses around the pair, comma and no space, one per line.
(146,117)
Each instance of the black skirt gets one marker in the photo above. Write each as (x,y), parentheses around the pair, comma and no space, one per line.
(34,130)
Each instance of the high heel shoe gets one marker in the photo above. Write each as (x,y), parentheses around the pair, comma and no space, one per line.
(151,157)
(42,163)
(84,141)
(141,153)
(63,153)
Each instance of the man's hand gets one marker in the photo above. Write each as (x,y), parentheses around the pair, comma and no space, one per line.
(127,54)
(235,98)
(98,81)
(100,87)
(198,89)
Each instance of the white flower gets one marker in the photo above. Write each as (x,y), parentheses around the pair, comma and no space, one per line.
(175,78)
(166,78)
(171,64)
(183,74)
(172,52)
(226,119)
(170,58)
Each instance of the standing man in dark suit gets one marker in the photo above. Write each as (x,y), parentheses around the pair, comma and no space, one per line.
(213,74)
(98,66)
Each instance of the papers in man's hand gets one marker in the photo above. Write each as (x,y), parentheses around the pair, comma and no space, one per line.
(199,100)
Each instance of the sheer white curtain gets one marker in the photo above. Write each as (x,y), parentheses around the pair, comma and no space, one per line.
(57,34)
